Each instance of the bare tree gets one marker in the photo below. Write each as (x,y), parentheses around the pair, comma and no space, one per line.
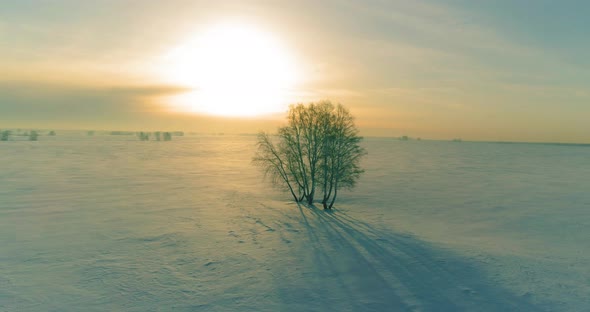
(143,136)
(33,135)
(318,148)
(4,135)
(274,163)
(341,153)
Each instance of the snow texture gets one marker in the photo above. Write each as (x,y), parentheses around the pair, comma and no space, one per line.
(109,223)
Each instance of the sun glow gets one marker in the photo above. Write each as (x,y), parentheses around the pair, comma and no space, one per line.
(234,70)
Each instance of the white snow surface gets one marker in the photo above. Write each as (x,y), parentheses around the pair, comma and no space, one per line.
(109,223)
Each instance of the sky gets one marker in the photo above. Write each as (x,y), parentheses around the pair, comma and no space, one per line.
(498,70)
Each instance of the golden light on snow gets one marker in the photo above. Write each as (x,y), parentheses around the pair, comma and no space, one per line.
(234,69)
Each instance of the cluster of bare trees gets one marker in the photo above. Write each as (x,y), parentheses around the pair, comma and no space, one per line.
(318,150)
(33,135)
(5,134)
(158,136)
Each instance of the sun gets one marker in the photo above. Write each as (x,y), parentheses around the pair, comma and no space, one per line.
(233,70)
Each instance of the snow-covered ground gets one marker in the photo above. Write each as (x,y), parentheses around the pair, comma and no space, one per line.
(109,223)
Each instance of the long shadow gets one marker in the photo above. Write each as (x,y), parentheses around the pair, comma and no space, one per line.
(362,268)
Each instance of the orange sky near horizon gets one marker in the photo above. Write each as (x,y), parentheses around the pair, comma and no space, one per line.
(430,69)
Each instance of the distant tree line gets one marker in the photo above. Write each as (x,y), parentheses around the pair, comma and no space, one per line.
(157,136)
(32,135)
(5,135)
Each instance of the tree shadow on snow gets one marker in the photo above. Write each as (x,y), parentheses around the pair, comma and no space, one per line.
(357,267)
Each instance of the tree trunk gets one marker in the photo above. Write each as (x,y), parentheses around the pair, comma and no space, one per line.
(294,196)
(334,198)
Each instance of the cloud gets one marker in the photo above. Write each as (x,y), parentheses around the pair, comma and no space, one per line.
(67,103)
